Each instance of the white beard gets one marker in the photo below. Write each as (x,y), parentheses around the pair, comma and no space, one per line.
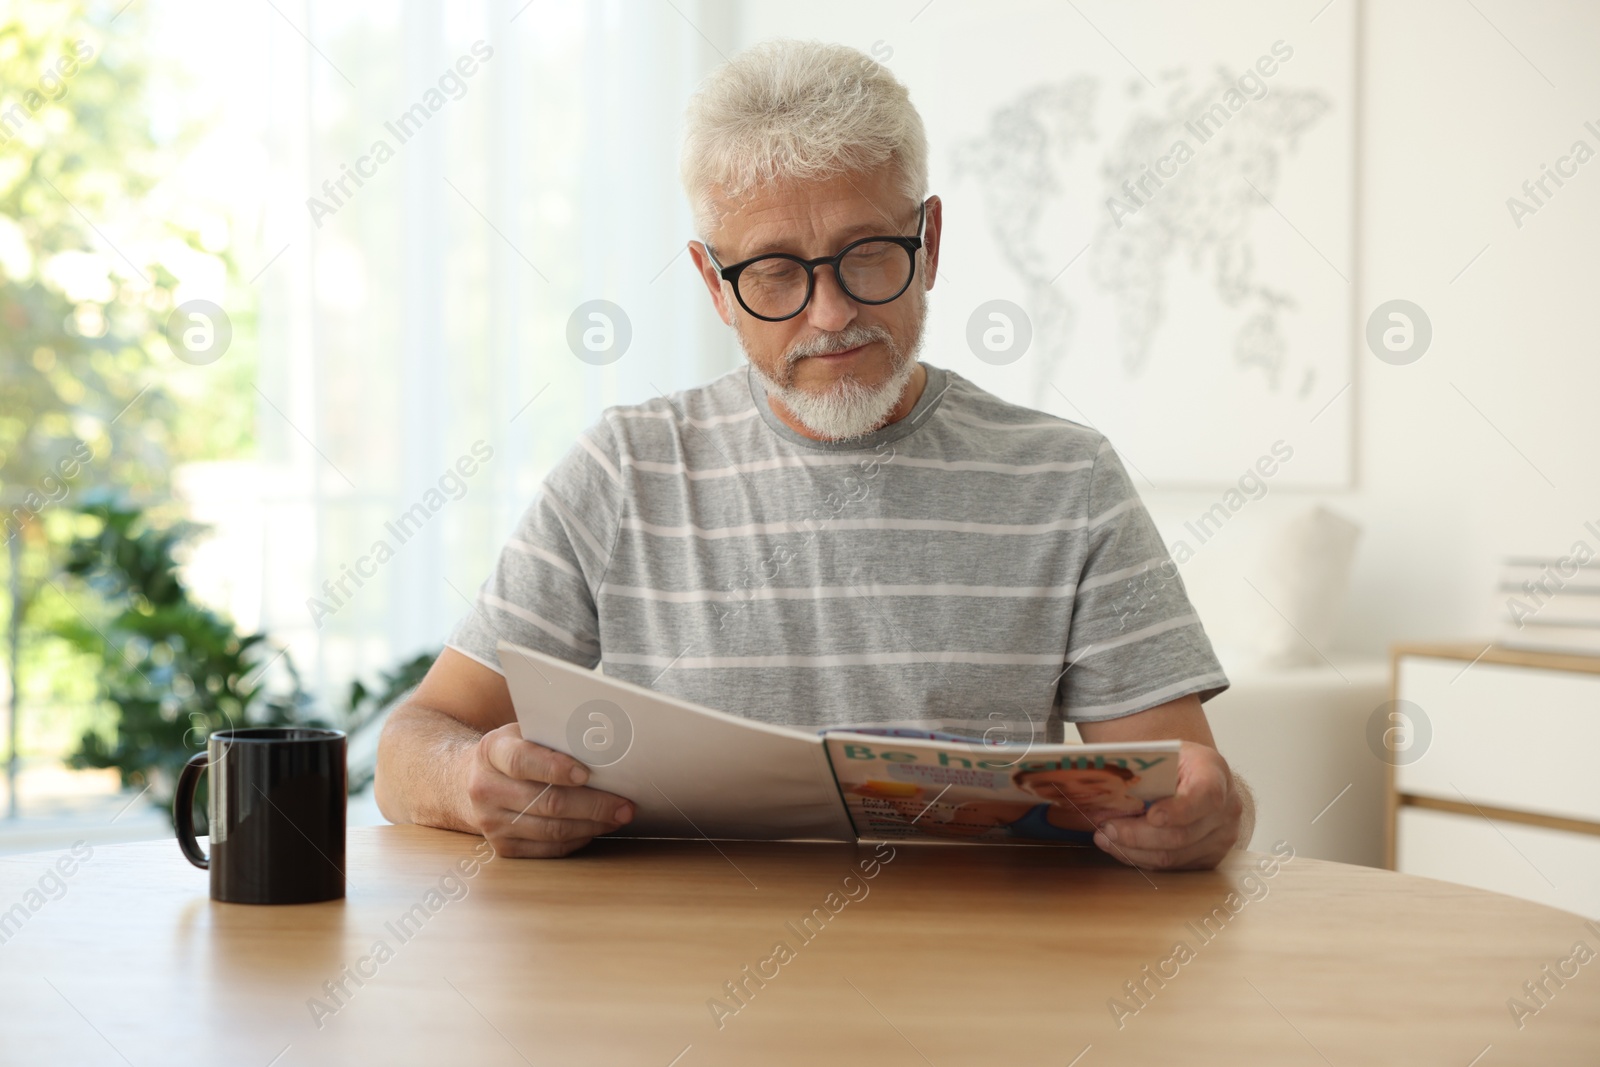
(847,408)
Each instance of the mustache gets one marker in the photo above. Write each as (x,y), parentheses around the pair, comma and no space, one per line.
(829,343)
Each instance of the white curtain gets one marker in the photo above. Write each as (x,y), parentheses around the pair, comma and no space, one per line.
(425,314)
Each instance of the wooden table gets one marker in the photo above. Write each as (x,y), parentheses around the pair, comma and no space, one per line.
(949,954)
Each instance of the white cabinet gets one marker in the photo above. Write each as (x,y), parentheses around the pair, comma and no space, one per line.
(1495,784)
(1551,866)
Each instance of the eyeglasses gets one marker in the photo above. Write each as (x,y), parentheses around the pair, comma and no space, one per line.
(778,286)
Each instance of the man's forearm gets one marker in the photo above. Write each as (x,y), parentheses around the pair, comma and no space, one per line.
(423,758)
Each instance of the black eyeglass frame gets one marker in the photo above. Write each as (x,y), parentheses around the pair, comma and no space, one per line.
(912,245)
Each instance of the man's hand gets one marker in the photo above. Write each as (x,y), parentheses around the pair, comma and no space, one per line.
(1192,829)
(530,801)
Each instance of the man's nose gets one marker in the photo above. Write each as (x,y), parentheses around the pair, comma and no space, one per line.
(831,308)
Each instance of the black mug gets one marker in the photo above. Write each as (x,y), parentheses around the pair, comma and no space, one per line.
(277,810)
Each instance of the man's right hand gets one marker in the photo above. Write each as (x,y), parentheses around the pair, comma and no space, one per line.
(528,800)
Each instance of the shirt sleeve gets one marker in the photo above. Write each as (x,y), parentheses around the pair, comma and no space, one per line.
(543,591)
(1135,640)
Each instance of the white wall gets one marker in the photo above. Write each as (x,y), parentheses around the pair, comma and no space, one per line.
(1454,120)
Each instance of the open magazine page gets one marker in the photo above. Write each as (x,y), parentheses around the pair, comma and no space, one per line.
(901,782)
(690,771)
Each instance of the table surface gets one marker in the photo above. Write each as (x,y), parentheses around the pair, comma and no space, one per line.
(947,954)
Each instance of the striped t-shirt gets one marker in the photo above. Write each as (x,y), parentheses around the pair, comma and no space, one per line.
(974,560)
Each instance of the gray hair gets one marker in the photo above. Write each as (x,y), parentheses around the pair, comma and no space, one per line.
(797,111)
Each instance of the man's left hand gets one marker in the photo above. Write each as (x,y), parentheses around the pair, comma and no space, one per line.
(1191,830)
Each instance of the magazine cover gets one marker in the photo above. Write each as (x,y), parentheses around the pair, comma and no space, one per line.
(901,783)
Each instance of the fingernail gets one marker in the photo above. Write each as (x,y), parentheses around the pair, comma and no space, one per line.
(624,813)
(1101,840)
(1110,831)
(579,776)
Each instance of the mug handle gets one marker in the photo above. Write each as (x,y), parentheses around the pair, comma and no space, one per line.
(183,809)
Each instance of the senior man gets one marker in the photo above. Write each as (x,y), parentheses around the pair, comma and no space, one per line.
(835,532)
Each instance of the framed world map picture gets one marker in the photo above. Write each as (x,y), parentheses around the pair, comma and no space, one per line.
(1149,217)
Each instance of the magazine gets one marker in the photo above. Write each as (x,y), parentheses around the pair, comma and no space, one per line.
(693,771)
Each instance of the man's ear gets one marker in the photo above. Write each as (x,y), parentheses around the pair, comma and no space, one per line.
(712,280)
(932,230)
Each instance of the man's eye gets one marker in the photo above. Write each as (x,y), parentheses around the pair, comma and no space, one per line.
(776,271)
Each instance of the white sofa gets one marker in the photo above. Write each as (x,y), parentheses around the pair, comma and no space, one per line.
(1298,736)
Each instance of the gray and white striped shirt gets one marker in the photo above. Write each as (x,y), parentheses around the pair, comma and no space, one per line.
(976,559)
